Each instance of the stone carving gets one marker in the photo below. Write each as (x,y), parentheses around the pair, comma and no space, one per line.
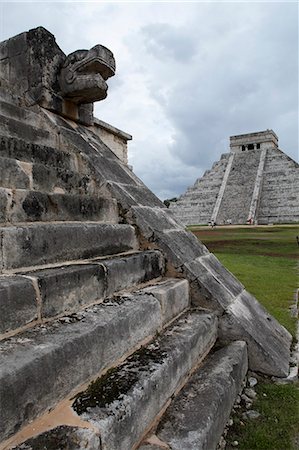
(84,73)
(39,72)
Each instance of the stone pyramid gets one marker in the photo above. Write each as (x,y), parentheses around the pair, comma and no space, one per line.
(255,183)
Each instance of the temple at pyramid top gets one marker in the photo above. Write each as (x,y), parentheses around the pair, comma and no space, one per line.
(253,141)
(255,183)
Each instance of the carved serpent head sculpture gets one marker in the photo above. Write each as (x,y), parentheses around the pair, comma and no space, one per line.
(83,75)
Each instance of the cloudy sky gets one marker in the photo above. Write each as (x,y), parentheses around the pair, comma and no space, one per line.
(189,75)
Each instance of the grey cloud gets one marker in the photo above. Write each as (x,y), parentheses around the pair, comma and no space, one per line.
(203,71)
(246,82)
(165,41)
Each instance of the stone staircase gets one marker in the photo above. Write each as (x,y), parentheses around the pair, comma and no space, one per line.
(239,188)
(279,205)
(116,323)
(80,299)
(197,204)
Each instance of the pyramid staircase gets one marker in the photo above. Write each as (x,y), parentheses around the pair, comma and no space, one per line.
(239,188)
(199,200)
(81,300)
(279,205)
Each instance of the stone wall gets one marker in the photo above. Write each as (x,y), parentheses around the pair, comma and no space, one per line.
(114,138)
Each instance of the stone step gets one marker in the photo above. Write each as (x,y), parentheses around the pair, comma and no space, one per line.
(29,152)
(44,364)
(19,205)
(173,295)
(18,129)
(123,404)
(196,418)
(45,243)
(15,174)
(43,294)
(23,114)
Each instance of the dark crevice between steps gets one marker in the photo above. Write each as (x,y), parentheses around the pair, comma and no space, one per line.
(118,381)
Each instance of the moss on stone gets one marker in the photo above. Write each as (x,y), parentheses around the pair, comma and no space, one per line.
(118,381)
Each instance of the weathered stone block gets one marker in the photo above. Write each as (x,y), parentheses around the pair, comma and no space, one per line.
(197,416)
(44,365)
(127,271)
(31,206)
(246,319)
(18,304)
(50,179)
(68,288)
(13,175)
(133,195)
(102,161)
(38,244)
(30,152)
(5,196)
(180,246)
(153,219)
(224,276)
(21,130)
(141,387)
(173,296)
(207,290)
(4,50)
(63,437)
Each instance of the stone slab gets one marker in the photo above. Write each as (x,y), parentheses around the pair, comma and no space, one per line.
(67,289)
(45,364)
(158,225)
(13,175)
(133,195)
(173,295)
(63,437)
(101,160)
(196,418)
(130,397)
(27,151)
(125,272)
(206,288)
(268,342)
(39,244)
(5,196)
(151,220)
(50,179)
(31,206)
(222,274)
(21,130)
(18,304)
(180,247)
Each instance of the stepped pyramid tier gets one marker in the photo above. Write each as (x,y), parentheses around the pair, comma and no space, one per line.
(255,183)
(109,308)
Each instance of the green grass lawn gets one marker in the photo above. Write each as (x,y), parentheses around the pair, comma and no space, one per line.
(265,259)
(276,428)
